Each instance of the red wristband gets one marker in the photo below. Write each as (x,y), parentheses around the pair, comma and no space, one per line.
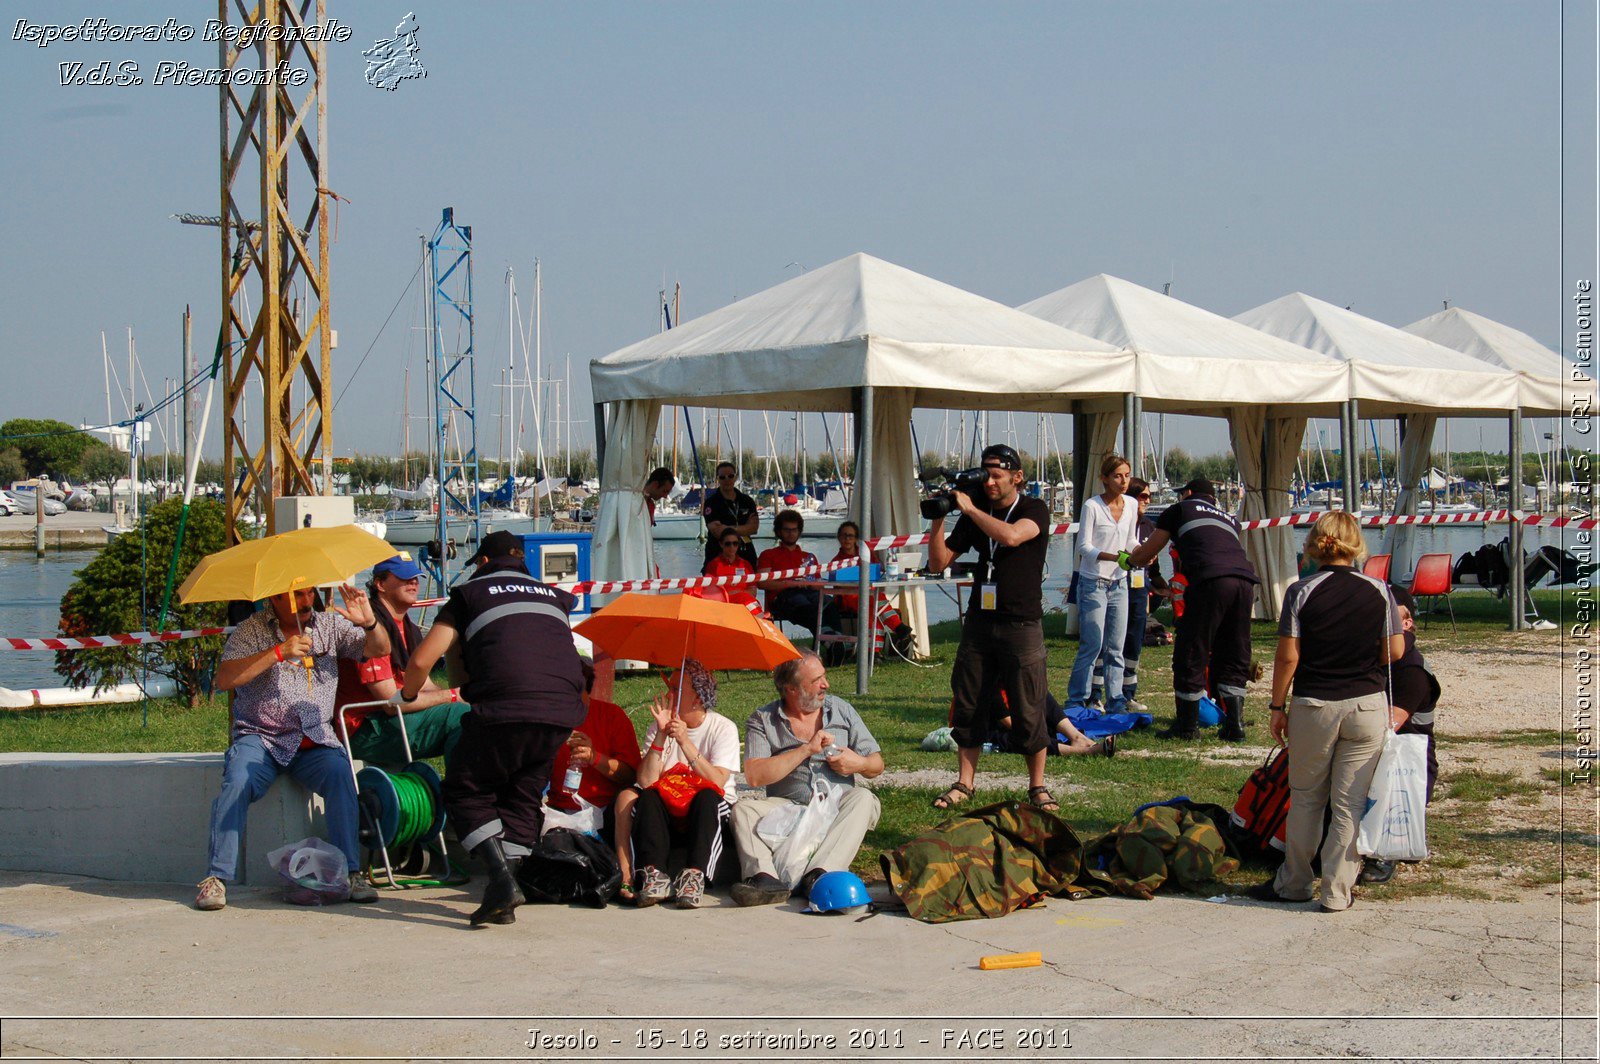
(455,694)
(278,650)
(658,749)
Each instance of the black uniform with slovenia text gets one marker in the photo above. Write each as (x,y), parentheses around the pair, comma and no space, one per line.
(524,680)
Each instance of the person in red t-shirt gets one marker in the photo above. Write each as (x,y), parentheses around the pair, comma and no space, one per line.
(792,600)
(729,563)
(606,747)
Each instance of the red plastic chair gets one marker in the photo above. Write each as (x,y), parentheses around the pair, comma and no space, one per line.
(1378,566)
(1432,579)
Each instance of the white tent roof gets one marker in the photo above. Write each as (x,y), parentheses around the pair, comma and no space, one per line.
(1189,358)
(804,344)
(1391,372)
(1543,373)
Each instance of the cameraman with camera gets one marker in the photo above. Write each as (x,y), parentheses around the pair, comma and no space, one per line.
(1002,638)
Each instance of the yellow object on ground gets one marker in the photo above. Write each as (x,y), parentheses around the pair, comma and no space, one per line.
(1011,960)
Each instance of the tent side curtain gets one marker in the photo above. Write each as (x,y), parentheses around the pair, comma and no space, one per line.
(1266,448)
(1416,441)
(623,548)
(894,494)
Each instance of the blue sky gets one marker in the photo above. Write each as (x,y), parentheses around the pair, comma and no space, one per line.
(1386,156)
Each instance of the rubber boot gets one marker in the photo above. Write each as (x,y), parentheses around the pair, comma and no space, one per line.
(502,896)
(1232,730)
(1186,724)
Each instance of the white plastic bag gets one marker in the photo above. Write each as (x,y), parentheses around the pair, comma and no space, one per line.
(793,858)
(1394,824)
(774,828)
(585,820)
(314,870)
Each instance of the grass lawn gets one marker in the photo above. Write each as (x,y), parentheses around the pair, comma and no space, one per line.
(906,702)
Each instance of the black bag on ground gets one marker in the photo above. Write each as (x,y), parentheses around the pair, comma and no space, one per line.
(567,868)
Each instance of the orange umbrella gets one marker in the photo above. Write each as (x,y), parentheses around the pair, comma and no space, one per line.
(665,629)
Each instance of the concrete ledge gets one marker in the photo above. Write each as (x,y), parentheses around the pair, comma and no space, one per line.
(140,817)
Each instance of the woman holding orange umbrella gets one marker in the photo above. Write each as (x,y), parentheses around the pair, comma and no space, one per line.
(685,792)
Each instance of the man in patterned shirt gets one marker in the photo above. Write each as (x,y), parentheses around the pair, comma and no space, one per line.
(282,665)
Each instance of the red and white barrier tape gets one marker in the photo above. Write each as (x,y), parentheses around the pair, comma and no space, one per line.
(607,587)
(100,642)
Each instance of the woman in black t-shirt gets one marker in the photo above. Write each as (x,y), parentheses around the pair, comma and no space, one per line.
(1338,632)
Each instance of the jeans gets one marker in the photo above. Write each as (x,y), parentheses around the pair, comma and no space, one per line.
(248,770)
(1102,626)
(1132,647)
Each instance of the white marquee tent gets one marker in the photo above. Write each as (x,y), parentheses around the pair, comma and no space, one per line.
(1392,373)
(1190,360)
(861,334)
(1547,384)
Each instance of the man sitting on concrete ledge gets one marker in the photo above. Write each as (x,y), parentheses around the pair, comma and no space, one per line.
(282,665)
(806,734)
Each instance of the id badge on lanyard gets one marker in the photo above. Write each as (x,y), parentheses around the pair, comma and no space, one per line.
(988,598)
(1136,579)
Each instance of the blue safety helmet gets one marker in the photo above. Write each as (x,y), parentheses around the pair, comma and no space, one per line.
(839,892)
(1210,712)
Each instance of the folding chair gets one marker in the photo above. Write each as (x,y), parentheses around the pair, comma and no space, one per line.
(1432,579)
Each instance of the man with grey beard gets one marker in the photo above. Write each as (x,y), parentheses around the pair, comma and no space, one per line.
(806,735)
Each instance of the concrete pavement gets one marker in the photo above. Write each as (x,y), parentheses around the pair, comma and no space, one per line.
(145,976)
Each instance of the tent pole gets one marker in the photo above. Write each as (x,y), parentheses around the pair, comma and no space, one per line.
(600,436)
(1347,457)
(1518,593)
(1133,443)
(864,418)
(1080,459)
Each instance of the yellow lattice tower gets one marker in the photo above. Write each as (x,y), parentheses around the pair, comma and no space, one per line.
(274,132)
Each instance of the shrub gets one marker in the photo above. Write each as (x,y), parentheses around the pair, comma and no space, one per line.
(106,598)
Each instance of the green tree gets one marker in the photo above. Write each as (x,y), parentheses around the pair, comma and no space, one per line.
(103,465)
(11,467)
(46,446)
(120,591)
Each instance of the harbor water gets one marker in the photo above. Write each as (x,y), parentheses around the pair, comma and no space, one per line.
(31,588)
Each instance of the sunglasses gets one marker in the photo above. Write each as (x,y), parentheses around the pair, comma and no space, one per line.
(727,476)
(1143,495)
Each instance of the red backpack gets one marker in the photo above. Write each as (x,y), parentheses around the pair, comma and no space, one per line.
(1262,811)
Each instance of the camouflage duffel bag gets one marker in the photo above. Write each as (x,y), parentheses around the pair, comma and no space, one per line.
(984,864)
(1161,842)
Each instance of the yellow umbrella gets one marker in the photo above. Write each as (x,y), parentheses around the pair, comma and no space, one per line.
(305,557)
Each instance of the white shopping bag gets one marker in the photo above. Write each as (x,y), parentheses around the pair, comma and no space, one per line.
(793,858)
(1394,825)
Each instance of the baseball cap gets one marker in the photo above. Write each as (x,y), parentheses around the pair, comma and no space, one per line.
(1002,455)
(402,566)
(1402,597)
(1200,486)
(498,545)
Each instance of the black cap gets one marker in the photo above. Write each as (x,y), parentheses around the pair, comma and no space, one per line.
(1402,597)
(1201,486)
(498,545)
(1002,455)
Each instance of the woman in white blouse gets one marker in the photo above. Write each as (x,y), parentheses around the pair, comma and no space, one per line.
(1108,524)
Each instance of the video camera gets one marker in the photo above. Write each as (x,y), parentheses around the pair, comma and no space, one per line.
(941,502)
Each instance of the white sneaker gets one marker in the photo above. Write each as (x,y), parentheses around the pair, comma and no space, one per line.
(1133,705)
(213,895)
